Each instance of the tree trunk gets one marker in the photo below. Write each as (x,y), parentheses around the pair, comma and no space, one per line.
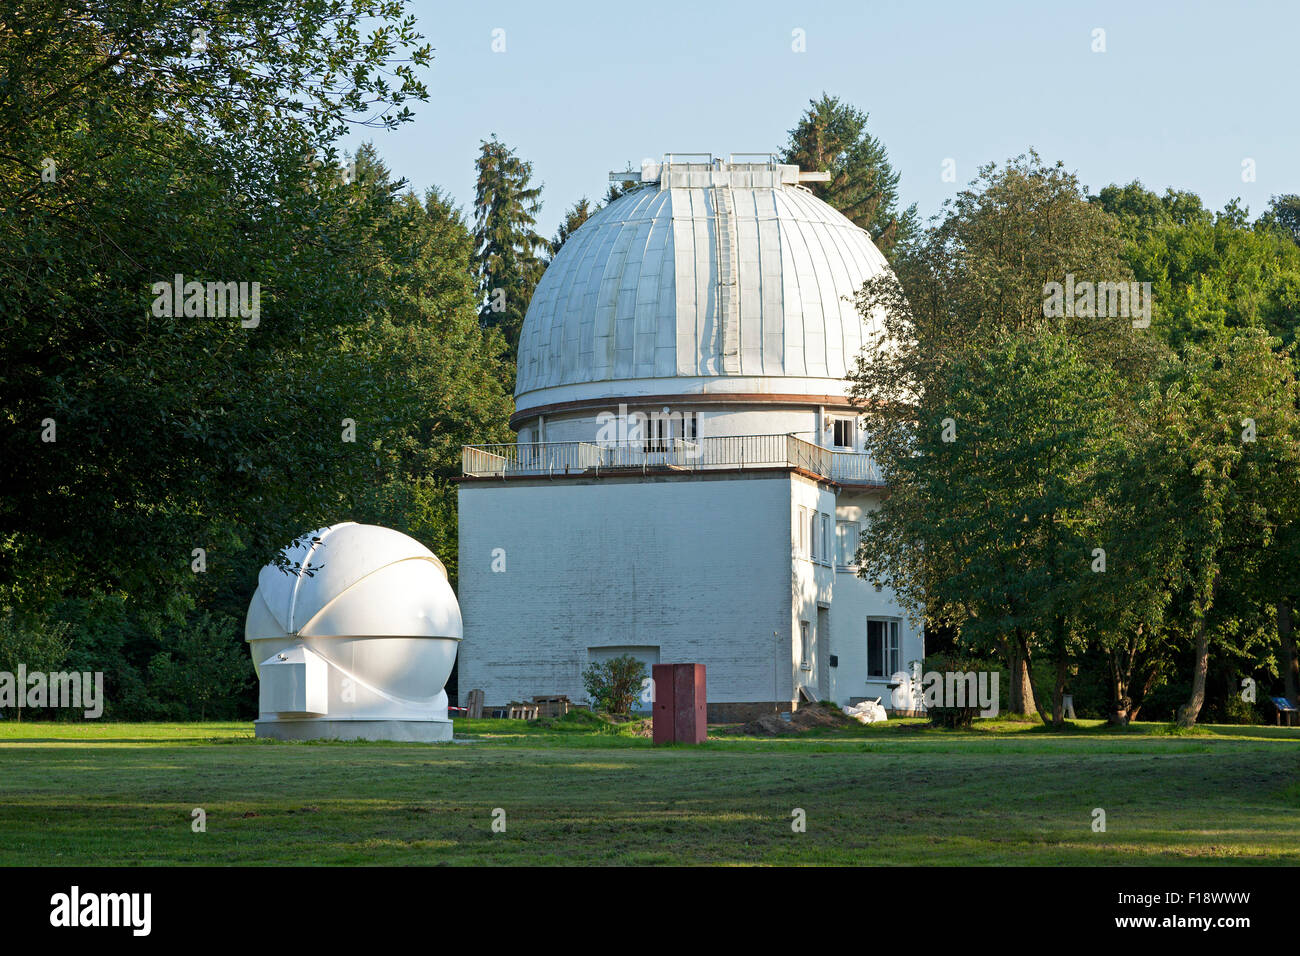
(1058,692)
(1188,713)
(1121,678)
(1032,698)
(1290,657)
(1062,671)
(1037,700)
(1121,709)
(1020,696)
(1147,684)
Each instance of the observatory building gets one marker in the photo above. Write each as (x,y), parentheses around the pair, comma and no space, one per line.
(688,480)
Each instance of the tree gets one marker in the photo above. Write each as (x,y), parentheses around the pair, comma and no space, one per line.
(153,461)
(1284,215)
(198,147)
(832,136)
(507,247)
(201,671)
(1223,443)
(1215,279)
(1127,609)
(444,377)
(1210,275)
(1005,475)
(33,641)
(976,532)
(576,215)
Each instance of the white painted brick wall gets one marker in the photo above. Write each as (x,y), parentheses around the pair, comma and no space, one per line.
(698,566)
(704,568)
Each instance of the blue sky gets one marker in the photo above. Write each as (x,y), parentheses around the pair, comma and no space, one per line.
(1182,96)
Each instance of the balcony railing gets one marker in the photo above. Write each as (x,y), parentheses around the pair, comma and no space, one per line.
(667,454)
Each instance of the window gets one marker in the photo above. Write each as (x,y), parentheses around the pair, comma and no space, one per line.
(661,427)
(846,536)
(883,659)
(814,535)
(844,432)
(805,646)
(801,533)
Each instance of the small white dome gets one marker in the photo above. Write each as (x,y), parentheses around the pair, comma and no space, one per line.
(720,277)
(365,630)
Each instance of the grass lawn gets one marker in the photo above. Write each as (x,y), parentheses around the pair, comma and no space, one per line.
(1004,793)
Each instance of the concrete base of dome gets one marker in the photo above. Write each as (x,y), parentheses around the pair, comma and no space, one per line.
(325,728)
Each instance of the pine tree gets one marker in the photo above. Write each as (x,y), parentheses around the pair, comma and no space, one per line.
(507,248)
(832,136)
(576,215)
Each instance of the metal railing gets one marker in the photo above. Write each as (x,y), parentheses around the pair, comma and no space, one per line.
(853,468)
(767,159)
(667,454)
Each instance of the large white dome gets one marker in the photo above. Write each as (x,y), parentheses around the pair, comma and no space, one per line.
(712,277)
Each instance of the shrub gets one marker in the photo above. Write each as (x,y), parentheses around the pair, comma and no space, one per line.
(201,671)
(957,718)
(32,641)
(1238,711)
(953,718)
(613,684)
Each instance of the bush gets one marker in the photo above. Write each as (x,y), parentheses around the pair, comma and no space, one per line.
(958,718)
(201,671)
(953,718)
(1238,711)
(32,641)
(613,684)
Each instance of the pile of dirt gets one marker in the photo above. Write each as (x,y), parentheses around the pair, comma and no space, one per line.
(819,715)
(805,718)
(769,725)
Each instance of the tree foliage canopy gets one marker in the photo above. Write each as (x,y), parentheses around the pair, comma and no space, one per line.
(508,250)
(1072,487)
(832,136)
(153,460)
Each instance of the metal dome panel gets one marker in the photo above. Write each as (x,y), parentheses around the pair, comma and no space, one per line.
(708,270)
(333,560)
